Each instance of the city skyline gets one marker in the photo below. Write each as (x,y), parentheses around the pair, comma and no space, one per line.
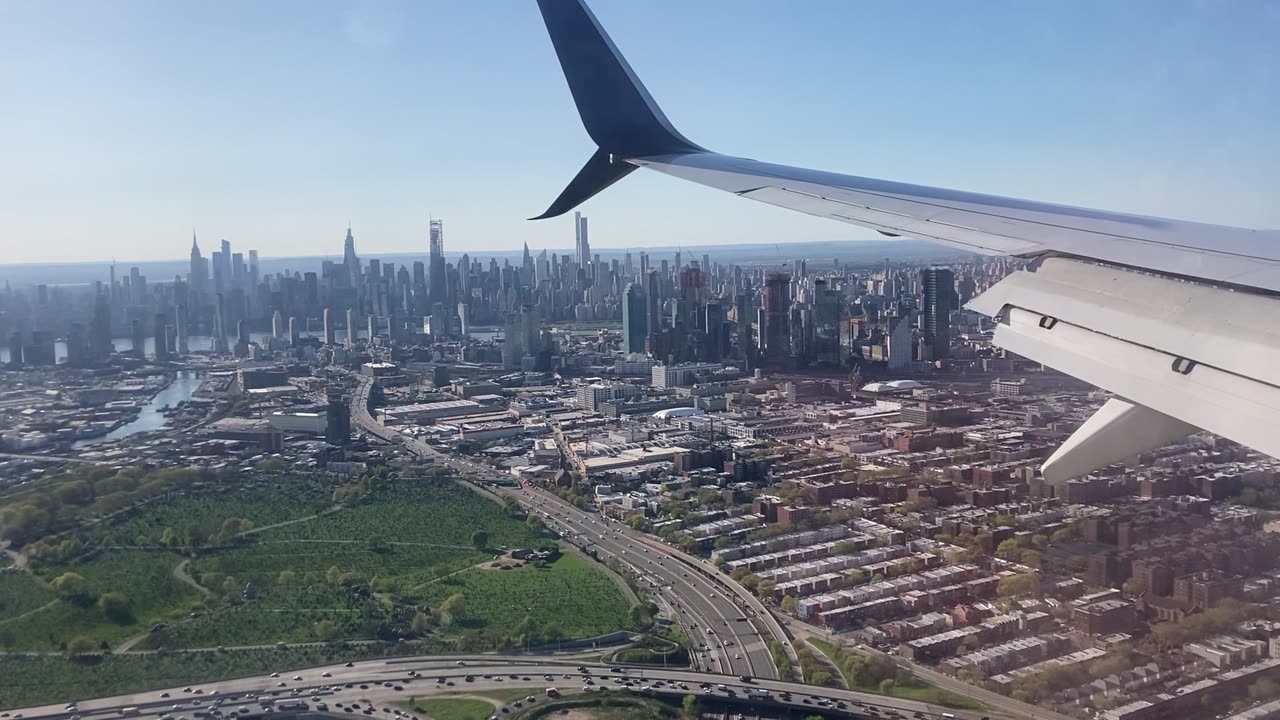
(1173,123)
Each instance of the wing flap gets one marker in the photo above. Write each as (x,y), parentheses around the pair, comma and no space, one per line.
(1233,331)
(1229,405)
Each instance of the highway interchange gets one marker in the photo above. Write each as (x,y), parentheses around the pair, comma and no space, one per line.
(376,686)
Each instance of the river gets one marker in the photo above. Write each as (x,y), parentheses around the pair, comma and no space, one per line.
(150,418)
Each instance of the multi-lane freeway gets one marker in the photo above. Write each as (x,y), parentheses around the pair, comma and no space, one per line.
(375,687)
(728,634)
(728,627)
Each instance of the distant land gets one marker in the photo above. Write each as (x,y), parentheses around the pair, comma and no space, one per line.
(820,254)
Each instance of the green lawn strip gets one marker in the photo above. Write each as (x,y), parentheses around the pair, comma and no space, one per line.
(919,690)
(452,708)
(601,706)
(570,593)
(29,680)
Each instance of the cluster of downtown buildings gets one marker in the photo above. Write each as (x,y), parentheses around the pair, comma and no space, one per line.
(677,308)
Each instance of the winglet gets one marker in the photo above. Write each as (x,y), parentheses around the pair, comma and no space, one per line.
(616,109)
(600,172)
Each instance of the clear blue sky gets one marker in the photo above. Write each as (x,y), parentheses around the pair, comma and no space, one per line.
(274,123)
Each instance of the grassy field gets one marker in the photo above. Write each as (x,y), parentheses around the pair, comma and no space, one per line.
(580,598)
(433,512)
(263,503)
(144,577)
(917,690)
(41,679)
(361,573)
(448,708)
(20,593)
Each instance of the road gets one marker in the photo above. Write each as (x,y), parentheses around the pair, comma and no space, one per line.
(377,684)
(727,634)
(703,601)
(55,458)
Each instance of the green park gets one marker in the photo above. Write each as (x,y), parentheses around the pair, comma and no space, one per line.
(106,571)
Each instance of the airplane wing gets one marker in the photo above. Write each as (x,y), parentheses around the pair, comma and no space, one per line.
(1169,315)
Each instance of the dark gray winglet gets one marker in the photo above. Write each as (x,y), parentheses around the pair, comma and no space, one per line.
(616,109)
(599,173)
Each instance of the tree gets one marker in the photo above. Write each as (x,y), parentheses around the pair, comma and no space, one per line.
(69,584)
(535,525)
(333,575)
(887,686)
(1063,534)
(272,464)
(1009,550)
(80,645)
(689,706)
(820,677)
(789,604)
(637,616)
(1022,584)
(844,547)
(455,607)
(230,586)
(76,492)
(116,607)
(326,630)
(1031,559)
(286,578)
(764,589)
(422,623)
(378,544)
(1134,586)
(480,539)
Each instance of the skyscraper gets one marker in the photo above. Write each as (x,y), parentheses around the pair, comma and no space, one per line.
(220,325)
(351,328)
(161,337)
(277,325)
(328,327)
(775,333)
(349,259)
(180,321)
(139,337)
(580,241)
(438,282)
(635,322)
(939,291)
(653,312)
(198,275)
(100,347)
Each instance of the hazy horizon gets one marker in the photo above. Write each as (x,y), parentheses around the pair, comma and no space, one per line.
(818,251)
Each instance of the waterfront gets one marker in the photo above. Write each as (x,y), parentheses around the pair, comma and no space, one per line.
(151,417)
